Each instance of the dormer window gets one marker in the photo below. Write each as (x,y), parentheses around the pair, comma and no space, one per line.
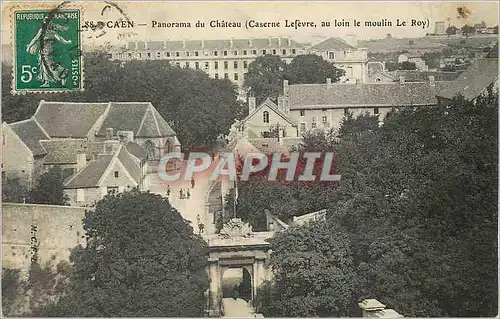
(116,174)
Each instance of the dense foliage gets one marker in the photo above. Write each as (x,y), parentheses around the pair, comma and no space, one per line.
(415,213)
(266,74)
(198,108)
(141,259)
(49,188)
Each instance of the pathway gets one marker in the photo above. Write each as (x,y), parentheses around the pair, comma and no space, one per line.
(189,208)
(238,308)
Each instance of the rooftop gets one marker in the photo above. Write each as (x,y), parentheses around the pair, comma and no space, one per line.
(304,96)
(474,80)
(30,133)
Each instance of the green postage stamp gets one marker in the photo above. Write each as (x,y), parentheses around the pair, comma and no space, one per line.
(47,51)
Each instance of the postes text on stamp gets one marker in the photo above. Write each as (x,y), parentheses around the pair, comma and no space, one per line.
(47,51)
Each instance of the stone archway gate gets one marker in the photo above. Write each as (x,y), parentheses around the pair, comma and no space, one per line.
(236,246)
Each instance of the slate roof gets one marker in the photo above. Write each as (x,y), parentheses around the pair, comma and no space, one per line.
(474,80)
(137,150)
(140,117)
(304,96)
(64,119)
(222,44)
(274,108)
(30,133)
(61,151)
(332,44)
(90,175)
(130,165)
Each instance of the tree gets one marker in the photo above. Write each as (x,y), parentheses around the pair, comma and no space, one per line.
(314,272)
(417,195)
(11,288)
(406,65)
(451,30)
(186,98)
(265,77)
(141,259)
(13,191)
(495,29)
(49,189)
(468,29)
(311,69)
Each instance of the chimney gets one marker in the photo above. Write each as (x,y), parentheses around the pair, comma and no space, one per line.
(251,104)
(231,42)
(281,104)
(289,41)
(401,80)
(329,83)
(270,41)
(250,42)
(279,42)
(183,44)
(81,160)
(285,87)
(432,80)
(109,133)
(202,44)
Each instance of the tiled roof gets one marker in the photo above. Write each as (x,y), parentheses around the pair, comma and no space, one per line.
(474,80)
(137,150)
(90,175)
(222,44)
(397,44)
(132,168)
(62,151)
(331,44)
(140,117)
(30,133)
(66,119)
(303,96)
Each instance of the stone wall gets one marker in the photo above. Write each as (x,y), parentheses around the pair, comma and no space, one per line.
(53,230)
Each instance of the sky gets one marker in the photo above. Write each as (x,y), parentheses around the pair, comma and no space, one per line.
(191,11)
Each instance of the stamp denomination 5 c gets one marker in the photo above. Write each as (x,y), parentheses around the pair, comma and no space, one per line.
(47,51)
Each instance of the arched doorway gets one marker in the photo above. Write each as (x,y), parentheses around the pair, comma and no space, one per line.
(237,282)
(150,148)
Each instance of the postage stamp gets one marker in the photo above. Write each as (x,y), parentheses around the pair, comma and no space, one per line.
(47,51)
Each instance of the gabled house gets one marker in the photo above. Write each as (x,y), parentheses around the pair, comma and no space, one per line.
(345,56)
(99,121)
(112,172)
(22,152)
(266,120)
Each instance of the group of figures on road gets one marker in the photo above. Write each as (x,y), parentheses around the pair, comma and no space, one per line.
(186,194)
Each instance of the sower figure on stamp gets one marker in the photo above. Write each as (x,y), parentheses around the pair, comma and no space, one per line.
(50,71)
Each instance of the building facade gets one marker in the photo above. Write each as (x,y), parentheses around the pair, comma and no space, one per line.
(220,59)
(229,59)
